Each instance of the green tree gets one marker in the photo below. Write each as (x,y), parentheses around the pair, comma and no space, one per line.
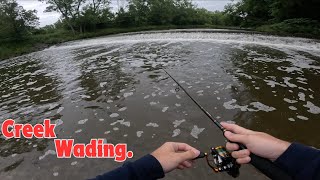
(16,22)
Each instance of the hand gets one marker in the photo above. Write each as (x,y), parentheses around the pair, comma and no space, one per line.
(261,144)
(175,155)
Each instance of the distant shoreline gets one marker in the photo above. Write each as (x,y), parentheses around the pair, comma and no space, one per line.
(40,42)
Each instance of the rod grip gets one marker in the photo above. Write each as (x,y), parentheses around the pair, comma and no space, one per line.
(267,167)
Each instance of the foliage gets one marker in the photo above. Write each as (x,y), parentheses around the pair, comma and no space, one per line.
(16,22)
(300,27)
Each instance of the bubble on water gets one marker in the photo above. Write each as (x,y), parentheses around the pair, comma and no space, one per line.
(178,105)
(83,121)
(290,101)
(85,96)
(164,109)
(153,103)
(153,94)
(114,115)
(177,123)
(78,131)
(125,135)
(107,132)
(291,119)
(189,87)
(261,107)
(293,108)
(122,109)
(125,95)
(102,84)
(218,98)
(302,96)
(178,96)
(101,119)
(312,108)
(109,101)
(286,81)
(58,122)
(74,163)
(60,109)
(116,129)
(200,92)
(31,83)
(139,133)
(196,131)
(257,105)
(55,174)
(122,122)
(146,97)
(302,117)
(273,83)
(257,88)
(49,152)
(5,96)
(176,132)
(152,125)
(14,155)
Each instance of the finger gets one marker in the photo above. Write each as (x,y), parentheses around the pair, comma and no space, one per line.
(240,138)
(235,128)
(184,156)
(178,147)
(186,164)
(245,160)
(181,167)
(232,146)
(241,154)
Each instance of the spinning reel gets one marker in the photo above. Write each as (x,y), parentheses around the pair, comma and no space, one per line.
(220,160)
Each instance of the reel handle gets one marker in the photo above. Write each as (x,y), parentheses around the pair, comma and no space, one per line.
(267,167)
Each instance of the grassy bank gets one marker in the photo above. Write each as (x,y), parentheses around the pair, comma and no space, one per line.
(38,42)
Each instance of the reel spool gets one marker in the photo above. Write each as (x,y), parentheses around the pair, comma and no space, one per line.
(220,160)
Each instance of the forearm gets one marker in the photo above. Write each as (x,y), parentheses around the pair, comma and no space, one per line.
(146,168)
(301,162)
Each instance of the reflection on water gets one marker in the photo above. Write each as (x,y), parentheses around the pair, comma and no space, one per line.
(114,88)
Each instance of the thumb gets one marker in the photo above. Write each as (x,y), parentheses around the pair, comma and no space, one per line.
(239,138)
(188,155)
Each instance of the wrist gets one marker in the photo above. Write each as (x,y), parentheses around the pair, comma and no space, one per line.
(282,147)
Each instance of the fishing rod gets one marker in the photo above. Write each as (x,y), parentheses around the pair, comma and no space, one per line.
(223,160)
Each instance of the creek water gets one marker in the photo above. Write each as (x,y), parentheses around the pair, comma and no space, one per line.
(114,88)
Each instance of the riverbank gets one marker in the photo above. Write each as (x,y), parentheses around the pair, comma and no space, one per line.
(9,49)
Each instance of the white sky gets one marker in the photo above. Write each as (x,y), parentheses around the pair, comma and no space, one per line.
(50,18)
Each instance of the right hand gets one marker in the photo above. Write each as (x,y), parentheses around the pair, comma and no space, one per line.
(259,143)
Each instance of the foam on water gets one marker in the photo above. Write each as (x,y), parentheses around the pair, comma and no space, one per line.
(312,108)
(139,133)
(176,132)
(177,123)
(196,131)
(114,115)
(49,152)
(83,121)
(257,105)
(152,125)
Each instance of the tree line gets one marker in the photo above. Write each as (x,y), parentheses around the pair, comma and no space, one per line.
(81,16)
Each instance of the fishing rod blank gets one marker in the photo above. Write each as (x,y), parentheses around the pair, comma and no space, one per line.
(264,165)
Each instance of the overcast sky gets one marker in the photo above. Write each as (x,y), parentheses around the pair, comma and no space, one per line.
(50,18)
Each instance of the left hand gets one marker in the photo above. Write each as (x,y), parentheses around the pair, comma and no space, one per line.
(175,155)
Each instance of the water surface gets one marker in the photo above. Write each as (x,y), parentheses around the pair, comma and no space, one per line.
(114,88)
